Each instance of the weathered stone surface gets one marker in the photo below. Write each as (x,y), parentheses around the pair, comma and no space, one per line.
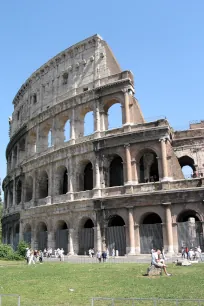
(54,184)
(153,271)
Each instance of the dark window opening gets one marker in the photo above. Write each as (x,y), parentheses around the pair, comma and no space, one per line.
(85,89)
(65,182)
(88,177)
(186,215)
(116,172)
(116,221)
(88,224)
(43,186)
(65,78)
(149,168)
(152,219)
(18,192)
(34,98)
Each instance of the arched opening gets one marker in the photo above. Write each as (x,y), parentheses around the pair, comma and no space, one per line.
(43,185)
(18,192)
(61,180)
(116,172)
(187,166)
(42,236)
(27,234)
(88,177)
(10,194)
(148,168)
(15,156)
(29,189)
(22,149)
(67,131)
(49,138)
(86,236)
(190,230)
(89,123)
(114,116)
(16,237)
(62,236)
(115,235)
(151,235)
(31,140)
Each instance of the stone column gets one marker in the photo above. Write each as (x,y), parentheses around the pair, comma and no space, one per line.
(97,178)
(137,239)
(164,159)
(169,232)
(131,248)
(20,231)
(51,239)
(102,120)
(50,185)
(70,179)
(72,127)
(14,191)
(97,117)
(97,237)
(127,109)
(128,164)
(71,245)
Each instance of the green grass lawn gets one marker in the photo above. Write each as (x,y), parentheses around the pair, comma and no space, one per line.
(48,284)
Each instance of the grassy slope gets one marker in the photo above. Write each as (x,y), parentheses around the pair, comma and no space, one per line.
(49,283)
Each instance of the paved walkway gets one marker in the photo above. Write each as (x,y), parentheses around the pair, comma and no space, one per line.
(144,258)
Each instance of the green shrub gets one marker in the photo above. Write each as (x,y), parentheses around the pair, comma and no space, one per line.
(21,249)
(6,251)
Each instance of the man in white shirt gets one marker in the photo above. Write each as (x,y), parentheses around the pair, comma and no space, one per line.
(159,263)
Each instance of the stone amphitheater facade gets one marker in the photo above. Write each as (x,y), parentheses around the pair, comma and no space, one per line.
(117,188)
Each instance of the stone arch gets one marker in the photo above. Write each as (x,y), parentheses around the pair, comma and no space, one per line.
(151,232)
(32,142)
(46,137)
(111,108)
(21,148)
(85,175)
(16,236)
(28,189)
(27,233)
(61,180)
(116,176)
(88,122)
(49,138)
(61,236)
(86,235)
(184,215)
(67,130)
(187,165)
(190,229)
(43,184)
(15,156)
(150,218)
(147,166)
(42,235)
(18,191)
(116,235)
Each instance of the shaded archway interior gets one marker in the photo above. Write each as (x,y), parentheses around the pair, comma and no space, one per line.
(152,218)
(116,172)
(116,221)
(184,216)
(148,166)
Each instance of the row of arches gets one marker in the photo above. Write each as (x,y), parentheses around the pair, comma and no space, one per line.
(190,233)
(147,169)
(64,129)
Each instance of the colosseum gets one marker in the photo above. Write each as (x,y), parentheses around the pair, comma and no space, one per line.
(120,188)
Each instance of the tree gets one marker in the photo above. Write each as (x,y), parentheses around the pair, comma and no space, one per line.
(1,210)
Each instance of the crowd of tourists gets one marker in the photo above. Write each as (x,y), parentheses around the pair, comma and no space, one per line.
(192,253)
(104,255)
(35,256)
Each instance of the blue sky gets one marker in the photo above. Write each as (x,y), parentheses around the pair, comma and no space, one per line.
(161,42)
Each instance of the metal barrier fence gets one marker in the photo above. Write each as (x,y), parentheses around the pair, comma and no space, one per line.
(8,299)
(99,301)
